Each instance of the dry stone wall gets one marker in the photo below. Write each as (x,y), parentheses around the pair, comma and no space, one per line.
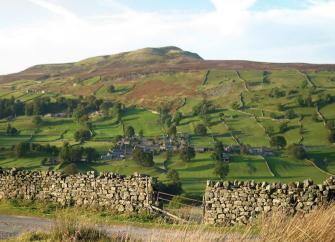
(239,202)
(104,190)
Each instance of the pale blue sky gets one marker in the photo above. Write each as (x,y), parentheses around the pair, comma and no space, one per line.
(48,31)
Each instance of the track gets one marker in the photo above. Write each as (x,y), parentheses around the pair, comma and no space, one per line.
(11,226)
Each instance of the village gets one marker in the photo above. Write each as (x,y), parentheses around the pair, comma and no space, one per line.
(124,147)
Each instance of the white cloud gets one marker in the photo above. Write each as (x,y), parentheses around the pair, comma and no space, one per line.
(54,8)
(231,31)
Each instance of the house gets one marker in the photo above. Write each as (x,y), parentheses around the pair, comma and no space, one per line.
(232,149)
(261,151)
(114,155)
(148,148)
(60,115)
(225,158)
(200,149)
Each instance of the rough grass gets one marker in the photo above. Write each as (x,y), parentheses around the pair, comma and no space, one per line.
(318,225)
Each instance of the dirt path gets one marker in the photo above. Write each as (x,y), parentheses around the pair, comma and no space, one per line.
(11,226)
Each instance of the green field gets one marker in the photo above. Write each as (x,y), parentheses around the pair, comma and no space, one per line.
(183,90)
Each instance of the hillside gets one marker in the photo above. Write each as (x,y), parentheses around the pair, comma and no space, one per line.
(148,77)
(252,102)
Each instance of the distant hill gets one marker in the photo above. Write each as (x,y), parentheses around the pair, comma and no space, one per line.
(109,64)
(146,60)
(150,76)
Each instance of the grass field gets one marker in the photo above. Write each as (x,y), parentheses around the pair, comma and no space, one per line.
(184,90)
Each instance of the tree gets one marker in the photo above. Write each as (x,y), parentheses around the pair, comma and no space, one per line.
(37,121)
(221,169)
(280,107)
(130,132)
(330,124)
(141,133)
(173,176)
(277,92)
(244,149)
(91,154)
(270,130)
(82,135)
(187,153)
(266,78)
(178,116)
(172,131)
(290,114)
(283,127)
(111,89)
(217,151)
(297,151)
(143,158)
(305,101)
(331,136)
(21,149)
(64,153)
(200,129)
(165,118)
(278,141)
(104,108)
(11,131)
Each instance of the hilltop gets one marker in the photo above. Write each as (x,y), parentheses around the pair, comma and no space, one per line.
(145,77)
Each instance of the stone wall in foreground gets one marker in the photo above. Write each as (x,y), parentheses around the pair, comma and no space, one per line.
(106,190)
(239,202)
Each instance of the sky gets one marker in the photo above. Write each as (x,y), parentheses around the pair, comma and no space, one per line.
(56,31)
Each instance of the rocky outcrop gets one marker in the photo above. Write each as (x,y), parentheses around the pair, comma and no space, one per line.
(239,202)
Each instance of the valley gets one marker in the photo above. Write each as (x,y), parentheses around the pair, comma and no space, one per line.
(242,105)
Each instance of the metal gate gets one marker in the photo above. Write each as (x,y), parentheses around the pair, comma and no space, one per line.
(180,208)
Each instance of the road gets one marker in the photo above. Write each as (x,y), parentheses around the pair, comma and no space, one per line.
(11,226)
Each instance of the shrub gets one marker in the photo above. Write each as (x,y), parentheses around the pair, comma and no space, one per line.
(71,228)
(277,92)
(200,129)
(173,176)
(176,202)
(70,169)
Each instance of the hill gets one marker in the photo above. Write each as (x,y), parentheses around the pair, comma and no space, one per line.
(249,103)
(145,77)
